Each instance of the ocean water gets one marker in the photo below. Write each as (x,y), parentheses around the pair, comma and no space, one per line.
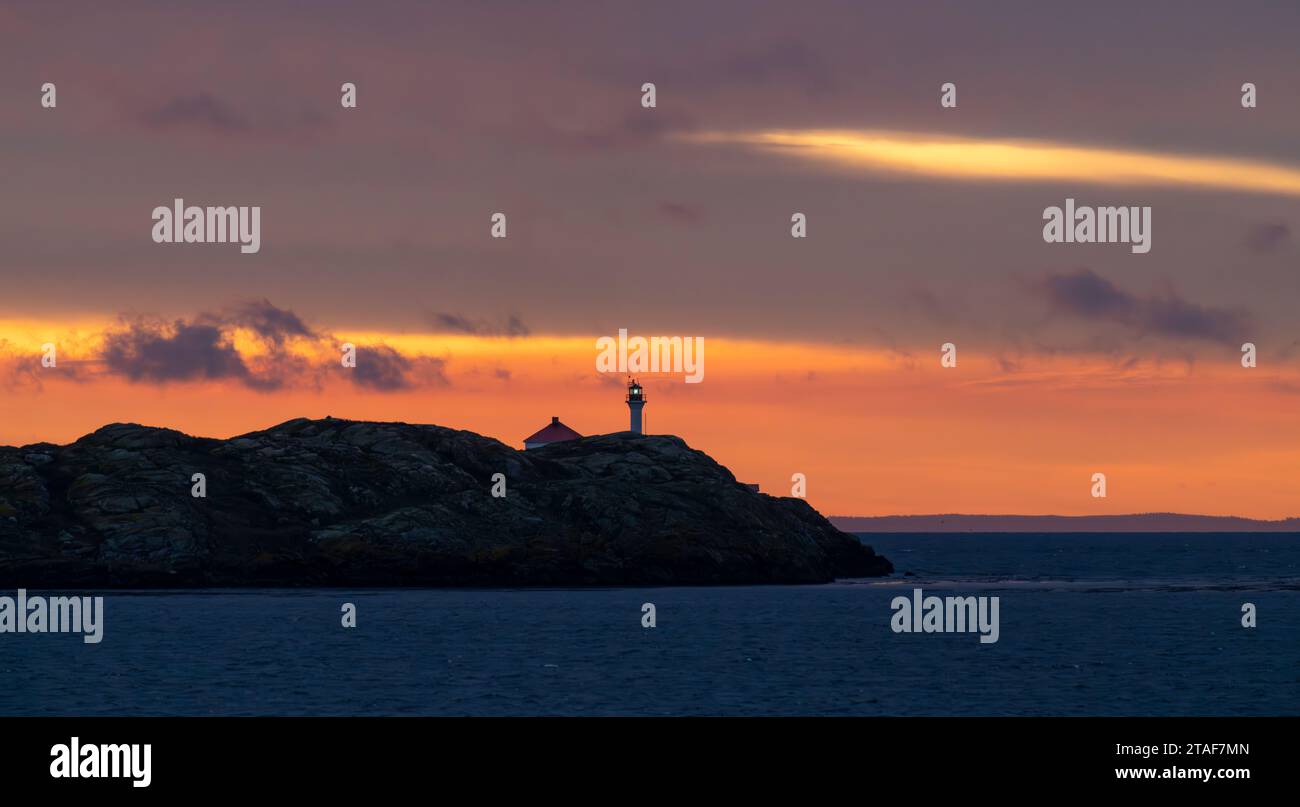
(1089,624)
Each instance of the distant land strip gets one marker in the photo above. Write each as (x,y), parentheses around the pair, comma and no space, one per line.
(1136,522)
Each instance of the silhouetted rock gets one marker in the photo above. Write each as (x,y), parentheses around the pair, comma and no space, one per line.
(338,502)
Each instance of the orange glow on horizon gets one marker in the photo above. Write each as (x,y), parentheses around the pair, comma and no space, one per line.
(875,432)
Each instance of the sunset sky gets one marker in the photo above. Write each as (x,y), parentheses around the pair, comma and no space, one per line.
(822,354)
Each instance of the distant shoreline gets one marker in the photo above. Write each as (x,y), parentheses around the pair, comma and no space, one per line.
(1137,522)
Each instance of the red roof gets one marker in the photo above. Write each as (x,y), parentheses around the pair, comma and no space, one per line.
(553,433)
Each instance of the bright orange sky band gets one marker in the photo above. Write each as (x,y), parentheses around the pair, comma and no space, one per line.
(874,432)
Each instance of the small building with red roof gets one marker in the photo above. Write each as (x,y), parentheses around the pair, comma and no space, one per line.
(555,432)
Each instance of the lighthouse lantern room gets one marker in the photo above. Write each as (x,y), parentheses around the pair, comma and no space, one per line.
(635,403)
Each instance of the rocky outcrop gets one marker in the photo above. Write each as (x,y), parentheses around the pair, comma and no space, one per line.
(337,502)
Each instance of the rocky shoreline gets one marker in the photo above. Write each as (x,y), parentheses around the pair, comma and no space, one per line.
(350,503)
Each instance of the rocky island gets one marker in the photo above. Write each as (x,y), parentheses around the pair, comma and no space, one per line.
(348,503)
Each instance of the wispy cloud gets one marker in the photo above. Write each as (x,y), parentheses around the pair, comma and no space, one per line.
(181,351)
(1014,160)
(204,113)
(1267,237)
(201,110)
(380,367)
(1083,293)
(458,323)
(271,323)
(255,344)
(780,60)
(680,213)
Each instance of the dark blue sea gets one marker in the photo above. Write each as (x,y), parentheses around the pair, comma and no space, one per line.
(1089,625)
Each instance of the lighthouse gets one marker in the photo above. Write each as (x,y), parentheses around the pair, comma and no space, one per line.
(635,403)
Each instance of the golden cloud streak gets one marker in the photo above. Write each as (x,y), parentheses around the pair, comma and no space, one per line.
(1016,160)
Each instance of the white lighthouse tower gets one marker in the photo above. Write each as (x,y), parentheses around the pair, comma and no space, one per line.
(635,403)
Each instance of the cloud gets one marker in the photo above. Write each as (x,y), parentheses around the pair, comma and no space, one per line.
(271,323)
(291,353)
(205,113)
(773,62)
(454,322)
(380,367)
(24,370)
(181,351)
(1267,237)
(200,111)
(680,213)
(924,300)
(990,159)
(384,369)
(1087,295)
(458,323)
